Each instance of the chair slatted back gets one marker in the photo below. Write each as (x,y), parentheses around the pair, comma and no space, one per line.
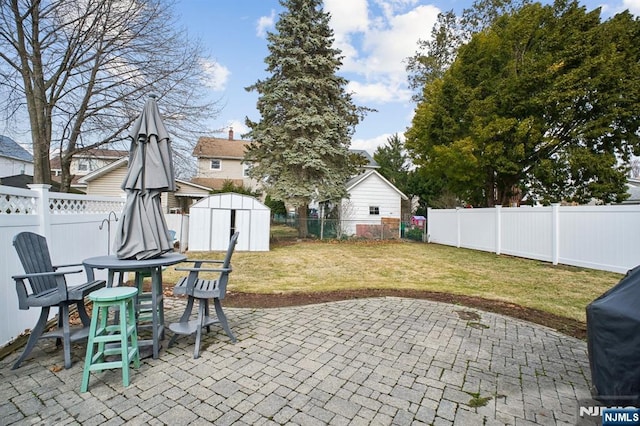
(224,277)
(34,255)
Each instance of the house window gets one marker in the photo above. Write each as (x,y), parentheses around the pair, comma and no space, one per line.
(246,169)
(83,166)
(374,210)
(216,164)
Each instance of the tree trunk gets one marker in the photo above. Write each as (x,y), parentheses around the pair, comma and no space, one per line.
(65,175)
(41,167)
(303,230)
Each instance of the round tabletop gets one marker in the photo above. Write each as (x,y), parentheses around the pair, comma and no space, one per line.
(112,262)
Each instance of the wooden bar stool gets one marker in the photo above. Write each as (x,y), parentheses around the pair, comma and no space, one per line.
(101,333)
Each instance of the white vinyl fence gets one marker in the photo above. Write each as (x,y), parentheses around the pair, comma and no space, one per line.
(71,223)
(598,237)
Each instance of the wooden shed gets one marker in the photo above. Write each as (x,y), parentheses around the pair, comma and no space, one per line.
(215,218)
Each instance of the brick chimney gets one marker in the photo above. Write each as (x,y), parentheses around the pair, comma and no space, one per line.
(230,133)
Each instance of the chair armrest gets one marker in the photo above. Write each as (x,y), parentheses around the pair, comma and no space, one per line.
(204,269)
(66,265)
(44,274)
(204,261)
(21,288)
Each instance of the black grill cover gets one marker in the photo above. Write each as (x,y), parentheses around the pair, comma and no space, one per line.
(613,341)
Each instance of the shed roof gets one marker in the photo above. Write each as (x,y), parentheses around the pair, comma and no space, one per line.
(357,180)
(10,149)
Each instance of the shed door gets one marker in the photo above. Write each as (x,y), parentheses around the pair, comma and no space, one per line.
(224,222)
(220,224)
(243,225)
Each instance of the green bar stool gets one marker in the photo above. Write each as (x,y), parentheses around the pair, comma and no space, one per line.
(101,333)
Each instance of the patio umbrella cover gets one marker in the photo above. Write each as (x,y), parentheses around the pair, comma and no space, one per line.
(142,231)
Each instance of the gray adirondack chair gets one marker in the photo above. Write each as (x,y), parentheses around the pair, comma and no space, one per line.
(203,290)
(47,287)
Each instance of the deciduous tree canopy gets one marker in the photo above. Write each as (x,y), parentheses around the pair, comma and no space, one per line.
(543,104)
(83,69)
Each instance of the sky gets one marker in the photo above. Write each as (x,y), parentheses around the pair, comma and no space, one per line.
(375,37)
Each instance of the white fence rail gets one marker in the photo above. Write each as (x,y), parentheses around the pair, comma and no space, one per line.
(598,237)
(71,223)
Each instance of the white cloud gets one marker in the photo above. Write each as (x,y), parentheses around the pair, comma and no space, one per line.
(375,46)
(390,46)
(632,5)
(370,145)
(238,126)
(379,92)
(348,16)
(217,75)
(265,23)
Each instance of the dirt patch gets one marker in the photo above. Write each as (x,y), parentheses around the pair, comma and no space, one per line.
(566,326)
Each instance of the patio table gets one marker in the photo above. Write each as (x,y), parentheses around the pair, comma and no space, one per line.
(113,265)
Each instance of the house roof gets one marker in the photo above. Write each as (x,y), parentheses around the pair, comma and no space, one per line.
(357,180)
(215,183)
(22,180)
(10,149)
(371,162)
(102,154)
(193,184)
(220,148)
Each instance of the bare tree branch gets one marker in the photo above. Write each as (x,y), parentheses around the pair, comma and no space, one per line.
(82,70)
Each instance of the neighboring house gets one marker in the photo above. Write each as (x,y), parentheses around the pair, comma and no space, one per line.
(221,160)
(108,180)
(85,163)
(373,206)
(14,159)
(633,189)
(23,181)
(371,163)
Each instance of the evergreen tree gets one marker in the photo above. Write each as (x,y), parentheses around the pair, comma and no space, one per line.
(393,161)
(541,104)
(301,143)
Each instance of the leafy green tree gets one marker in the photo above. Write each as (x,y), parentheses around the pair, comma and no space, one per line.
(540,104)
(277,206)
(301,143)
(435,55)
(393,161)
(229,186)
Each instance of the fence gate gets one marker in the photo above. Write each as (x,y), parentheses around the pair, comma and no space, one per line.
(214,219)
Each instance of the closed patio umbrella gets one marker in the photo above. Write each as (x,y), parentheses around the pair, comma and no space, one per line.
(142,231)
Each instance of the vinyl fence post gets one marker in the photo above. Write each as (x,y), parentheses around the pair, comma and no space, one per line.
(427,238)
(498,228)
(555,233)
(42,208)
(458,237)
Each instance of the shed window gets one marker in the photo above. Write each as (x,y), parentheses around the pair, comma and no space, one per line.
(216,164)
(374,210)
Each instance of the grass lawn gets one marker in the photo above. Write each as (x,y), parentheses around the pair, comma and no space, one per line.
(331,265)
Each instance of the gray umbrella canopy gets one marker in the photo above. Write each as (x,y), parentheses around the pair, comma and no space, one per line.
(142,231)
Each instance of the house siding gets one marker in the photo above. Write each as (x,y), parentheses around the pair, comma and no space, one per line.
(230,169)
(11,167)
(373,191)
(109,183)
